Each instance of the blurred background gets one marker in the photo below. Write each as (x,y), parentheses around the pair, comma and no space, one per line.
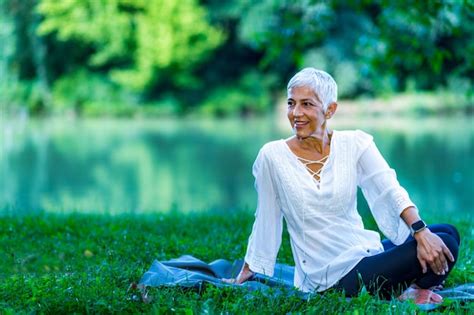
(115,106)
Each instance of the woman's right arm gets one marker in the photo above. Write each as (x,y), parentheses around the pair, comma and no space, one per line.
(265,239)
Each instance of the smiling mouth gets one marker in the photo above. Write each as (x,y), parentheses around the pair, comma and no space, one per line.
(300,124)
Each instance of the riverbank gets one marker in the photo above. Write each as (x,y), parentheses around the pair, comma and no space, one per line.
(442,103)
(55,263)
(401,106)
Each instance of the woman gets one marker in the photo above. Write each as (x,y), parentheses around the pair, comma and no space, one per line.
(311,180)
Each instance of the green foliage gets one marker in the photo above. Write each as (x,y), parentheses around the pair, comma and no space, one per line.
(288,28)
(84,90)
(385,42)
(428,42)
(190,55)
(251,94)
(19,59)
(100,23)
(136,40)
(85,263)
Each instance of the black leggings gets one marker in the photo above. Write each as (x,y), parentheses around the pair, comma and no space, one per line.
(398,266)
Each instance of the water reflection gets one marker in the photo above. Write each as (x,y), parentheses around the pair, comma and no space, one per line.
(142,166)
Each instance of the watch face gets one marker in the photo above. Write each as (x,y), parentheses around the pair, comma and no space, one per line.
(418,225)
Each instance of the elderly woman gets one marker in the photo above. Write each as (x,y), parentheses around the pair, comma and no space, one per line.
(311,179)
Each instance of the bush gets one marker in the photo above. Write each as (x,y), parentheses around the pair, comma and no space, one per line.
(86,92)
(251,94)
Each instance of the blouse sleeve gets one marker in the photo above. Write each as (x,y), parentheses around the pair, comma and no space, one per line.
(379,184)
(265,239)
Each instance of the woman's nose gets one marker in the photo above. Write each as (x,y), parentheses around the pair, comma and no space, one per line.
(297,111)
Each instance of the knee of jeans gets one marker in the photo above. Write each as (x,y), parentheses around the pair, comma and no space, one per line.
(454,233)
(450,242)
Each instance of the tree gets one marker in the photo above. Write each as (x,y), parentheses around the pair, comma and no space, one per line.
(23,56)
(426,42)
(135,41)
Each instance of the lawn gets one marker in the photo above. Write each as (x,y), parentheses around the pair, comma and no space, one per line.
(83,263)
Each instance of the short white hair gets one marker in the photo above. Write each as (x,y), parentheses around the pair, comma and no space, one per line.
(321,82)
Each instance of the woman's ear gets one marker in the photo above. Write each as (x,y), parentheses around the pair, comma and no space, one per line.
(331,110)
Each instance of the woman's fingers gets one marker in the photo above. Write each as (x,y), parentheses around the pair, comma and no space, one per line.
(440,262)
(442,257)
(445,261)
(448,253)
(433,260)
(424,267)
(433,251)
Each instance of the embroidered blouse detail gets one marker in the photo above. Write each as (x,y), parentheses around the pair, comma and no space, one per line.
(327,235)
(316,174)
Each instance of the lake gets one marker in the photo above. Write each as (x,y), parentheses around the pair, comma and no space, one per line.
(140,166)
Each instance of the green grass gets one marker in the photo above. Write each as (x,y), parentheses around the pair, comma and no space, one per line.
(85,264)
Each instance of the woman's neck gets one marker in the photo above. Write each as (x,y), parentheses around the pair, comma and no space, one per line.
(318,141)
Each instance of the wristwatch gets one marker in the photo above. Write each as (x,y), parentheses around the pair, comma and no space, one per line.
(417,227)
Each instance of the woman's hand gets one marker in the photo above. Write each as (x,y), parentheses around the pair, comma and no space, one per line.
(432,251)
(244,274)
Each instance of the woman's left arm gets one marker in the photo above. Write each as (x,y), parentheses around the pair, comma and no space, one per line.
(392,208)
(431,249)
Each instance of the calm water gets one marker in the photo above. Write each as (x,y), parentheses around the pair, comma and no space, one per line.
(143,166)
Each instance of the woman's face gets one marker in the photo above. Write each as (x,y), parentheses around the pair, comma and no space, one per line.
(305,112)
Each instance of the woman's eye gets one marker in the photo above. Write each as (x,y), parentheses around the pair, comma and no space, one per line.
(307,104)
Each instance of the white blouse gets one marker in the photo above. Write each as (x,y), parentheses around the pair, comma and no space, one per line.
(326,232)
